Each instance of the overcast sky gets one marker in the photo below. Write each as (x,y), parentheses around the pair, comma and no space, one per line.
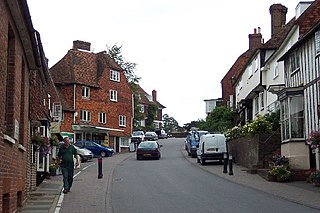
(183,48)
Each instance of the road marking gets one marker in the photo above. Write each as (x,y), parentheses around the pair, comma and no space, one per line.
(61,197)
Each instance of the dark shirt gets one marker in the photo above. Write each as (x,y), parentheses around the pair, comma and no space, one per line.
(66,156)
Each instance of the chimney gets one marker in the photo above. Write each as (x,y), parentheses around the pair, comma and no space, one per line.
(278,17)
(154,95)
(255,39)
(83,45)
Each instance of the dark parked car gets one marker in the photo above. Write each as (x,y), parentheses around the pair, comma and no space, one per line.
(95,148)
(151,136)
(149,149)
(192,141)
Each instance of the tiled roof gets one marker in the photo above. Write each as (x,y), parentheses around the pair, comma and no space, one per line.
(81,67)
(309,18)
(144,99)
(239,64)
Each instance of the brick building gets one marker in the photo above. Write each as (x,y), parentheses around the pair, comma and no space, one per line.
(145,100)
(97,101)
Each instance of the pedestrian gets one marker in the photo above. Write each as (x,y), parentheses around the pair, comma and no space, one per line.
(65,159)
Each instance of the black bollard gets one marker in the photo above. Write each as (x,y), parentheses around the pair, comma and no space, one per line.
(230,166)
(100,175)
(225,163)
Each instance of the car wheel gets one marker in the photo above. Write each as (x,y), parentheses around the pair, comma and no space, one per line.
(198,160)
(103,154)
(81,159)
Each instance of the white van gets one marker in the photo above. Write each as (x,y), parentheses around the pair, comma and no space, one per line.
(211,147)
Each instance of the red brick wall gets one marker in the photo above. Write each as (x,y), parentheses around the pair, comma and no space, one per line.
(100,102)
(13,160)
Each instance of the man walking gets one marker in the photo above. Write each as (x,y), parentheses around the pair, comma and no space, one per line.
(65,155)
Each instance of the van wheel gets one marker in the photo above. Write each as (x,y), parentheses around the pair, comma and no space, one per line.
(203,162)
(198,160)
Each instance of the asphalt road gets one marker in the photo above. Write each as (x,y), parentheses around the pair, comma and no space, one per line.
(173,184)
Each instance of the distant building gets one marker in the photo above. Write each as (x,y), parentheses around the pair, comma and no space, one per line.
(211,104)
(97,99)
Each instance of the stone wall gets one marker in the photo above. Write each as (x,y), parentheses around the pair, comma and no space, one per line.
(254,152)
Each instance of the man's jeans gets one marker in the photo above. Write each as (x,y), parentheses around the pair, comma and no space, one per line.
(67,177)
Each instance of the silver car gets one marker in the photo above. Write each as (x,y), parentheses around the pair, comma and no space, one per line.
(85,154)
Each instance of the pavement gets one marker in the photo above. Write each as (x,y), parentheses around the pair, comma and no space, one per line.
(47,197)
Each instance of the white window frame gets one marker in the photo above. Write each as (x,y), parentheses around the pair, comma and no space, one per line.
(256,64)
(250,71)
(113,95)
(85,115)
(256,105)
(102,117)
(275,70)
(114,75)
(122,120)
(85,92)
(124,142)
(261,98)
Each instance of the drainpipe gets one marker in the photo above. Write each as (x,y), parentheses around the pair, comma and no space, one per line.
(74,103)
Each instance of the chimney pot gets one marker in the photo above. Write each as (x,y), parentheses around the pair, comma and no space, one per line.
(154,95)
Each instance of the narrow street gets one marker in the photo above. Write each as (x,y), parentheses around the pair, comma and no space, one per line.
(172,184)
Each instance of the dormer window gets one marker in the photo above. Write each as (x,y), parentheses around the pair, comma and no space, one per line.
(86,92)
(256,65)
(317,40)
(114,75)
(275,71)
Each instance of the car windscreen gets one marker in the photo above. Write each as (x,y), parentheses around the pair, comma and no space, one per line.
(147,145)
(136,133)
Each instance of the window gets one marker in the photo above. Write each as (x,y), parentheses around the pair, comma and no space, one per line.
(113,95)
(261,100)
(141,108)
(317,40)
(275,70)
(256,65)
(250,71)
(256,104)
(124,142)
(102,117)
(122,120)
(85,115)
(57,110)
(294,62)
(85,92)
(292,118)
(114,75)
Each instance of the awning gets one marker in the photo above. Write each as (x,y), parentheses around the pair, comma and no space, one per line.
(96,129)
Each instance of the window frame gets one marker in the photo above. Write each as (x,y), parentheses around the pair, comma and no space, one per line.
(113,95)
(85,94)
(114,75)
(122,120)
(102,117)
(86,114)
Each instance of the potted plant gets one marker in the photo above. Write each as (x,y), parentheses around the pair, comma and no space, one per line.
(315,178)
(53,169)
(282,173)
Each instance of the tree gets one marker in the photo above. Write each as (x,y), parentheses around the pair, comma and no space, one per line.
(115,53)
(152,113)
(169,123)
(219,120)
(128,68)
